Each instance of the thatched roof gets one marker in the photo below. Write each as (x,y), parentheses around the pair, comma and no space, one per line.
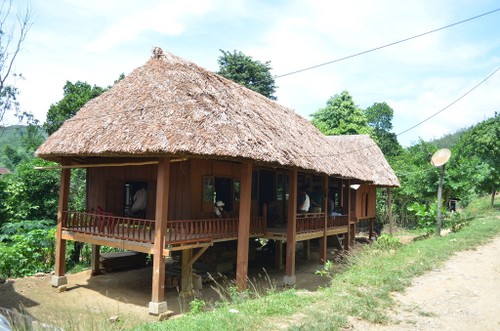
(361,149)
(172,107)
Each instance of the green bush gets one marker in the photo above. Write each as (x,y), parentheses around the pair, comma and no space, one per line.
(387,242)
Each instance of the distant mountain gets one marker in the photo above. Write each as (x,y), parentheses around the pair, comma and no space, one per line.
(12,135)
(447,141)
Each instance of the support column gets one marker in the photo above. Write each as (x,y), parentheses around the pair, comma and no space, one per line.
(187,272)
(291,232)
(307,249)
(279,254)
(323,244)
(347,239)
(244,226)
(59,277)
(95,260)
(389,210)
(158,305)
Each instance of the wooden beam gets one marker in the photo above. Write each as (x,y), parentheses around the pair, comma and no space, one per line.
(59,278)
(100,165)
(161,214)
(197,255)
(291,233)
(244,226)
(110,242)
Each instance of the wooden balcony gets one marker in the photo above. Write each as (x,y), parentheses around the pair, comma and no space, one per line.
(138,234)
(312,225)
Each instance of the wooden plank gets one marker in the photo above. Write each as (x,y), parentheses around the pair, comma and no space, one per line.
(244,226)
(110,242)
(349,214)
(162,190)
(279,254)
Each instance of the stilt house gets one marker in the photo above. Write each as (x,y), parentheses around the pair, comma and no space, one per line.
(175,139)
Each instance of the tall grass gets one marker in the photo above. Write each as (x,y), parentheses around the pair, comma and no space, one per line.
(361,290)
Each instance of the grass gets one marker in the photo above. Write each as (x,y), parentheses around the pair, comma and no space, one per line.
(361,290)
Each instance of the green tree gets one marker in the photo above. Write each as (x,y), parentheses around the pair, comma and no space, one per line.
(244,70)
(341,116)
(379,117)
(14,28)
(75,96)
(31,194)
(482,143)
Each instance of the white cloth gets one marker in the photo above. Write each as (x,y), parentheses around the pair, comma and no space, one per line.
(140,199)
(306,204)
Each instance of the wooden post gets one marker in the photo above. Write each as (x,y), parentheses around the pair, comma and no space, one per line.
(95,260)
(347,239)
(158,304)
(279,254)
(291,233)
(187,272)
(389,210)
(307,249)
(59,278)
(244,226)
(324,240)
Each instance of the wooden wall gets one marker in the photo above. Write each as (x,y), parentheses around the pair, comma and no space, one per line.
(365,206)
(106,187)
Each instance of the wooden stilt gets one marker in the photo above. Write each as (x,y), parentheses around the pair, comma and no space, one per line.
(279,254)
(307,250)
(187,272)
(59,278)
(389,210)
(158,304)
(244,226)
(324,240)
(95,260)
(291,233)
(347,239)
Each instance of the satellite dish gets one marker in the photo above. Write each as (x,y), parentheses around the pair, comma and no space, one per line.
(441,157)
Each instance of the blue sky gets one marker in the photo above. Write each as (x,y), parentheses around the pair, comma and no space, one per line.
(95,41)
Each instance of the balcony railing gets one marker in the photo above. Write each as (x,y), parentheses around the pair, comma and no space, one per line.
(142,230)
(312,222)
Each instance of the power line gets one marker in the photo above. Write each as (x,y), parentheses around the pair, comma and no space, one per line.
(451,104)
(386,45)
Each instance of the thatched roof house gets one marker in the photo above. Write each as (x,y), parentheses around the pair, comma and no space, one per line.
(173,107)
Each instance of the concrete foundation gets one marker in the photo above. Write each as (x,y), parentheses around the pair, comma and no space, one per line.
(289,280)
(57,281)
(156,308)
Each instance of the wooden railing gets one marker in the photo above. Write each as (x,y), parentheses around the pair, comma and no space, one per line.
(142,230)
(213,229)
(312,222)
(106,225)
(336,221)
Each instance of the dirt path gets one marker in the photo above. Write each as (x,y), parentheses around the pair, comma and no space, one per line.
(462,295)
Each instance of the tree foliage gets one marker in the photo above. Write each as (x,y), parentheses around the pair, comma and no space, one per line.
(481,144)
(244,70)
(30,194)
(341,116)
(14,28)
(379,117)
(75,96)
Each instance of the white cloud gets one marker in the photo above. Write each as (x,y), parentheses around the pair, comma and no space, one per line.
(97,40)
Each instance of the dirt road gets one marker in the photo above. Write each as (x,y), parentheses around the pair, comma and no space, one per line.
(462,295)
